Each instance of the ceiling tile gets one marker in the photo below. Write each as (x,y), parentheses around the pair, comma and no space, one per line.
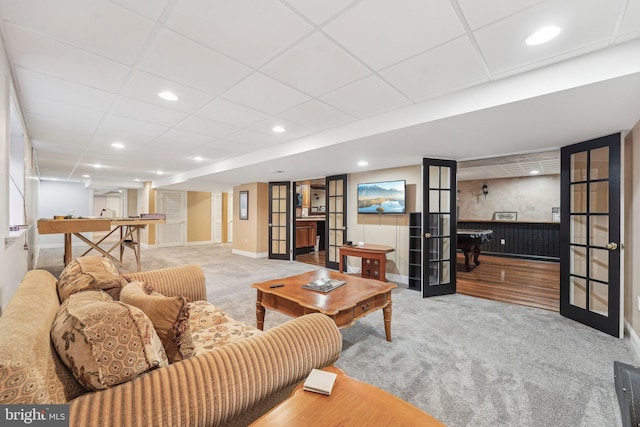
(221,149)
(631,20)
(586,25)
(129,131)
(151,9)
(104,29)
(316,66)
(265,94)
(449,67)
(316,116)
(36,86)
(365,97)
(63,116)
(248,31)
(229,112)
(48,56)
(207,127)
(381,32)
(318,12)
(179,137)
(480,13)
(191,64)
(145,112)
(145,87)
(254,139)
(293,131)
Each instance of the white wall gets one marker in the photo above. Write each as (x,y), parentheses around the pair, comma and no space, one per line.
(63,198)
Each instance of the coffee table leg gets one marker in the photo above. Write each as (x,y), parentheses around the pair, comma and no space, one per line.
(386,312)
(260,312)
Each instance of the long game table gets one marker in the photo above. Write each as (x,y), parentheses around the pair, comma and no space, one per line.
(469,242)
(129,229)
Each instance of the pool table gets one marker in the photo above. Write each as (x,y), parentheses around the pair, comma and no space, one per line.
(469,242)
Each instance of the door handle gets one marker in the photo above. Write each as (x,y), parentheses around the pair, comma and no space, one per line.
(612,246)
(427,235)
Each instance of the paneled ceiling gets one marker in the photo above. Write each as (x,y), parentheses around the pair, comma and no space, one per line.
(387,82)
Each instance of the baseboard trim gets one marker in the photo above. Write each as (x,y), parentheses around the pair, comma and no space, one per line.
(250,254)
(200,243)
(633,337)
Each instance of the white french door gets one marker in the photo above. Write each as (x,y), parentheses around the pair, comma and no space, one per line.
(173,204)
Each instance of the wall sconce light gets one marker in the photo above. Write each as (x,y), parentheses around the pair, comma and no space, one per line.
(485,190)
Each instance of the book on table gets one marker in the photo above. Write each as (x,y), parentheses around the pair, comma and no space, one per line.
(320,381)
(324,285)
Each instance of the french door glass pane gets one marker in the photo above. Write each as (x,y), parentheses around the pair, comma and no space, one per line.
(599,230)
(599,264)
(578,198)
(446,247)
(446,271)
(578,260)
(434,176)
(445,201)
(578,292)
(599,163)
(599,201)
(445,178)
(579,229)
(599,298)
(434,201)
(579,166)
(446,225)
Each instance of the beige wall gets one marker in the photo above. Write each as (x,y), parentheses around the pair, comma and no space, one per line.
(531,197)
(250,237)
(390,230)
(632,230)
(198,216)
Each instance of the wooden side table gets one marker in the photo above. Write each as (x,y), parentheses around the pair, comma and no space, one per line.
(351,403)
(374,259)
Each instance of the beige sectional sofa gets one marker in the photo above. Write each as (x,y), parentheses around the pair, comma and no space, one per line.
(229,380)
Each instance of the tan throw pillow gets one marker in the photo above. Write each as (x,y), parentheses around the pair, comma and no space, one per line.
(105,342)
(170,317)
(87,273)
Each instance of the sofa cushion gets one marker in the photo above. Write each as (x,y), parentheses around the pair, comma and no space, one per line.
(212,328)
(105,342)
(170,317)
(87,273)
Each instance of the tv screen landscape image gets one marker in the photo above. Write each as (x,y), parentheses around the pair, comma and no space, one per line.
(386,197)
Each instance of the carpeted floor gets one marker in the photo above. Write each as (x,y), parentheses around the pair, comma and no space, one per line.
(466,361)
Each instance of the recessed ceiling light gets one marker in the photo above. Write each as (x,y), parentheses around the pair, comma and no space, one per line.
(363,163)
(278,129)
(534,172)
(160,172)
(136,179)
(198,158)
(168,96)
(97,166)
(543,35)
(117,145)
(86,176)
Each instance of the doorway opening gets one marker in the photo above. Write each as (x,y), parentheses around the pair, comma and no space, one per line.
(310,221)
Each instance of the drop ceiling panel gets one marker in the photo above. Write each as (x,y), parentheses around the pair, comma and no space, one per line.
(50,125)
(265,94)
(481,13)
(254,139)
(130,131)
(184,61)
(319,12)
(315,66)
(586,25)
(293,131)
(47,56)
(36,86)
(207,127)
(151,9)
(105,29)
(381,32)
(454,65)
(365,97)
(145,87)
(232,113)
(316,116)
(248,31)
(631,22)
(64,116)
(145,112)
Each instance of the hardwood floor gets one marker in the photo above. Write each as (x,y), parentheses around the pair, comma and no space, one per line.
(314,258)
(517,281)
(524,282)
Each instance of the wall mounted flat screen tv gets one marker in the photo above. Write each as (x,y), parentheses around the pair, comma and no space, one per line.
(387,197)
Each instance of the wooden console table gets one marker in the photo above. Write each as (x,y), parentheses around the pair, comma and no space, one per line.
(129,234)
(351,403)
(374,259)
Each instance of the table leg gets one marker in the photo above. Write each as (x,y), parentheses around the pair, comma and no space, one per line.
(386,313)
(467,262)
(476,254)
(260,312)
(341,263)
(68,249)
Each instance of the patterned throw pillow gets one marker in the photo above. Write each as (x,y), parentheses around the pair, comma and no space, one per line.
(105,342)
(87,273)
(170,317)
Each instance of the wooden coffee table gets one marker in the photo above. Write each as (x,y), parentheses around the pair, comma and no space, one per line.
(346,304)
(351,403)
